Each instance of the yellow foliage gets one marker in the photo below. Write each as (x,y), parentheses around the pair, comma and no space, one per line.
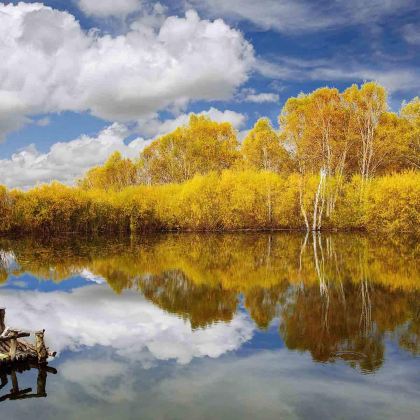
(410,112)
(337,162)
(201,146)
(230,200)
(117,173)
(394,204)
(262,149)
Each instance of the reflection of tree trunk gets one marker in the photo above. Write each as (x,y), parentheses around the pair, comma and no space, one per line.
(320,271)
(366,312)
(269,245)
(302,250)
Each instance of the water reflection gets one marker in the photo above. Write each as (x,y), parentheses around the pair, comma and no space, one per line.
(18,393)
(336,297)
(174,326)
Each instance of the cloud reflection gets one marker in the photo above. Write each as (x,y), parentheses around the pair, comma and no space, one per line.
(94,315)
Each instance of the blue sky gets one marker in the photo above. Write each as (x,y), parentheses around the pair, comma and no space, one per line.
(82,78)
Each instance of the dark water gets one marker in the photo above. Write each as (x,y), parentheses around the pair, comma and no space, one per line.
(218,326)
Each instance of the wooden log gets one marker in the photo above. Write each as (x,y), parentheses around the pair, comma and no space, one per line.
(41,382)
(41,349)
(30,348)
(2,318)
(48,369)
(15,383)
(19,334)
(13,344)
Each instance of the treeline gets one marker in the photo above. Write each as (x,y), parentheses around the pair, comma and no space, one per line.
(338,161)
(230,200)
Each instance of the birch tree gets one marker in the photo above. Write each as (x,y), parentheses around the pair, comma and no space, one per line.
(366,106)
(410,112)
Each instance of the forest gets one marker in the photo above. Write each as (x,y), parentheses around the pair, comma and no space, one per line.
(339,161)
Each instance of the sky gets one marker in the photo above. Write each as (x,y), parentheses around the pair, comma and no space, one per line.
(80,79)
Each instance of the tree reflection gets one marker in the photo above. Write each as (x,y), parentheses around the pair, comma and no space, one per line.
(336,296)
(200,304)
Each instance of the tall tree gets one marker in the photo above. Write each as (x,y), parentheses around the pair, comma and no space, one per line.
(197,148)
(262,149)
(316,127)
(116,174)
(411,113)
(367,106)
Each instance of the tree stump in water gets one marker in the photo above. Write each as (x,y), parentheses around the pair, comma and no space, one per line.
(41,349)
(13,335)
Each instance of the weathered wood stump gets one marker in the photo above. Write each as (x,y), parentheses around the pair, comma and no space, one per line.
(41,349)
(14,350)
(13,335)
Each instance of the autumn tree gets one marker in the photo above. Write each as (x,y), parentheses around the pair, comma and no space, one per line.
(316,129)
(116,174)
(5,209)
(391,144)
(410,112)
(262,149)
(200,147)
(367,106)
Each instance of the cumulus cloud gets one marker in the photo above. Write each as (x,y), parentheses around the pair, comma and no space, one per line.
(51,64)
(105,8)
(94,315)
(153,127)
(66,161)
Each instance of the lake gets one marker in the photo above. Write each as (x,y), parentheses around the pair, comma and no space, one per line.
(203,326)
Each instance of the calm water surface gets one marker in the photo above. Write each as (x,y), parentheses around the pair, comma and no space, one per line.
(218,326)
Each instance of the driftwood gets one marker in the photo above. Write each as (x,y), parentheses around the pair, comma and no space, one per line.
(13,349)
(41,349)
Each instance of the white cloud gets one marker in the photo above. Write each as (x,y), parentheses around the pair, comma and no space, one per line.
(291,16)
(262,97)
(88,275)
(153,127)
(68,160)
(118,78)
(105,8)
(95,376)
(411,34)
(394,79)
(123,322)
(43,122)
